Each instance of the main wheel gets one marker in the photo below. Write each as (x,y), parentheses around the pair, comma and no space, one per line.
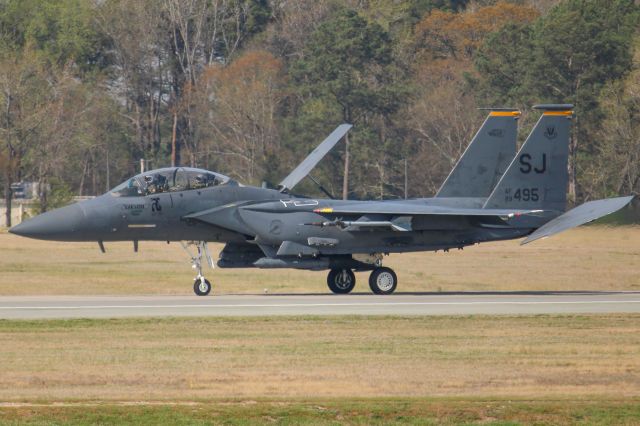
(341,281)
(383,281)
(201,286)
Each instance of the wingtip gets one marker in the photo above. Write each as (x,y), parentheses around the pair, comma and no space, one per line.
(530,240)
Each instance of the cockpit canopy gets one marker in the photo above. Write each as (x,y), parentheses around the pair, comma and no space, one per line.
(171,179)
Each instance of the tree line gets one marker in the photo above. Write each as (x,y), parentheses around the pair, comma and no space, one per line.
(248,87)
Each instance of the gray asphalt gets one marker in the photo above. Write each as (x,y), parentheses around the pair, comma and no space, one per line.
(35,307)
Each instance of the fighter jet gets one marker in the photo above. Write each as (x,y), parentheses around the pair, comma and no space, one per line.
(492,194)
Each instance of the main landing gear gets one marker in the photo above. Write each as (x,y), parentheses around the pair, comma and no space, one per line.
(341,281)
(201,285)
(381,281)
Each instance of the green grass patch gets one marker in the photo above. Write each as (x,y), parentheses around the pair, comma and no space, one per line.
(411,411)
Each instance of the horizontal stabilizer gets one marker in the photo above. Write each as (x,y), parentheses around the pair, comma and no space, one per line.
(585,213)
(314,158)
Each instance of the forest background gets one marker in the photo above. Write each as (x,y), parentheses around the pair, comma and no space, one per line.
(248,87)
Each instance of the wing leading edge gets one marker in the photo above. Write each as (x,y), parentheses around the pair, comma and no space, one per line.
(404,209)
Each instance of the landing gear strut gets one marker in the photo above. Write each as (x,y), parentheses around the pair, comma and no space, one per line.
(341,281)
(201,286)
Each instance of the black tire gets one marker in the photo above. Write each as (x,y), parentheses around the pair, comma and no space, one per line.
(341,281)
(201,287)
(383,281)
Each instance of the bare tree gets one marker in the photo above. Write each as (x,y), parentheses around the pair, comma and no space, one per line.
(23,93)
(140,78)
(443,120)
(295,20)
(238,109)
(616,169)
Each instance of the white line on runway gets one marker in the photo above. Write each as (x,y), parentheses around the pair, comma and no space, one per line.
(311,305)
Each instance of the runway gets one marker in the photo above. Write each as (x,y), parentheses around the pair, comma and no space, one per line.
(36,307)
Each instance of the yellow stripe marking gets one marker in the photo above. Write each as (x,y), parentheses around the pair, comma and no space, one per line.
(324,210)
(566,113)
(505,114)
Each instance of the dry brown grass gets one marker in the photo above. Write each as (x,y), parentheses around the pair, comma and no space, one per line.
(194,358)
(588,258)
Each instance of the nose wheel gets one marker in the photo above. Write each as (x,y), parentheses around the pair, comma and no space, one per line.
(201,285)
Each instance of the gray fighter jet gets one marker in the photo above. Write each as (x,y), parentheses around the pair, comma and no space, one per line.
(492,194)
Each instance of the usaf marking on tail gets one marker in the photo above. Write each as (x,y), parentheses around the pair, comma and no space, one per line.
(492,194)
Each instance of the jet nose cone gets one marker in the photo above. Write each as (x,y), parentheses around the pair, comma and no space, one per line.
(59,224)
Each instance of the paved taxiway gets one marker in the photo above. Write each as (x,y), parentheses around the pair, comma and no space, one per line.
(33,307)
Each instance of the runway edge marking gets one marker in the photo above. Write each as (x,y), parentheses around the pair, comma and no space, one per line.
(310,305)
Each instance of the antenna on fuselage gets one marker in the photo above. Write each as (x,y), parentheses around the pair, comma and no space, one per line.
(322,188)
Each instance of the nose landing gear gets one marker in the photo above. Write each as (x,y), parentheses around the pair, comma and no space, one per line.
(201,286)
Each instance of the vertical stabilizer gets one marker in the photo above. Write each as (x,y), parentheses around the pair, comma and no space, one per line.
(486,158)
(537,177)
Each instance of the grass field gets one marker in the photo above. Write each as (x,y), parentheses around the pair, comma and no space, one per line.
(579,369)
(355,370)
(301,357)
(588,258)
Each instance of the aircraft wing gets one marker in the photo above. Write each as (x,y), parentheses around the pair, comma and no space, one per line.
(411,209)
(585,213)
(403,215)
(314,158)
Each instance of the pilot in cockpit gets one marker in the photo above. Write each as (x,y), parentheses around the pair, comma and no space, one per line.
(201,181)
(156,183)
